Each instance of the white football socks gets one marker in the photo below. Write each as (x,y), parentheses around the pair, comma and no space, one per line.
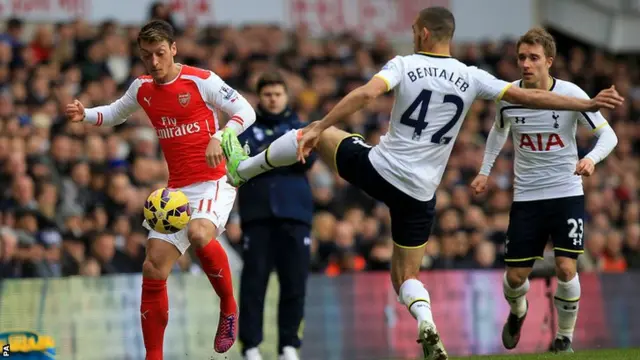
(414,295)
(516,297)
(282,152)
(567,300)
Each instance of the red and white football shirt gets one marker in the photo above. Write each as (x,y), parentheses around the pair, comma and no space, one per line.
(184,115)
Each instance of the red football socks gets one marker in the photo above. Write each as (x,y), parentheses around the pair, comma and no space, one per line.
(215,264)
(154,315)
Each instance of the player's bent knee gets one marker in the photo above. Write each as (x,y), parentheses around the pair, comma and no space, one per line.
(152,270)
(200,232)
(566,268)
(159,259)
(517,276)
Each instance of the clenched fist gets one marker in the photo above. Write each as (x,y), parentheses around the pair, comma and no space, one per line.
(585,167)
(479,184)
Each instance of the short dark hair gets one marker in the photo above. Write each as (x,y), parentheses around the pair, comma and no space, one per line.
(14,24)
(270,78)
(540,36)
(439,21)
(157,31)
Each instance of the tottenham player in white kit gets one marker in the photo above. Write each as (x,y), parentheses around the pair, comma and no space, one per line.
(548,196)
(433,93)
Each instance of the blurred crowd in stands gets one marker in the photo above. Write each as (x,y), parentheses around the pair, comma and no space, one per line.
(71,194)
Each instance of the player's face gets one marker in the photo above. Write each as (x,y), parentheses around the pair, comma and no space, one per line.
(157,58)
(533,63)
(274,98)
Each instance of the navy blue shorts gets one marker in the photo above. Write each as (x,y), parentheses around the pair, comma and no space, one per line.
(411,219)
(533,223)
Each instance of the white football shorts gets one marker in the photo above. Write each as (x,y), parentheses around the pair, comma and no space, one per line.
(211,200)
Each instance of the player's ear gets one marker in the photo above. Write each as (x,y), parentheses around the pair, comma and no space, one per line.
(424,33)
(549,61)
(174,49)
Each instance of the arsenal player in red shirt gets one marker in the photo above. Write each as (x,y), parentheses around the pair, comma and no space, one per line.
(182,103)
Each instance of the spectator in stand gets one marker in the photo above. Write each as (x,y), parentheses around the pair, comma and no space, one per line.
(275,212)
(86,179)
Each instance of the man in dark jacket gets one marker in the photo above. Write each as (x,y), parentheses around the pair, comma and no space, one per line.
(275,210)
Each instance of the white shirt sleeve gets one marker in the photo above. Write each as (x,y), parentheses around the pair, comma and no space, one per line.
(593,120)
(489,87)
(391,72)
(118,111)
(220,95)
(607,139)
(495,142)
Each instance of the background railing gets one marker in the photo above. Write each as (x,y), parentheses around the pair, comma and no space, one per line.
(347,317)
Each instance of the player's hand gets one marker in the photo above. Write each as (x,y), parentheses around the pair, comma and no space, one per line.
(607,98)
(479,184)
(308,140)
(75,111)
(214,153)
(585,167)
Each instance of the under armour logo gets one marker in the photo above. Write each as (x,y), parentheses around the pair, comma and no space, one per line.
(143,315)
(520,119)
(218,275)
(147,100)
(359,141)
(577,241)
(555,120)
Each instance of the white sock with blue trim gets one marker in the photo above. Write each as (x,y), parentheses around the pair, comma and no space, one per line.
(567,299)
(283,151)
(516,297)
(416,297)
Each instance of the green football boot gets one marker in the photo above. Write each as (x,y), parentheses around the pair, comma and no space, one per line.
(235,154)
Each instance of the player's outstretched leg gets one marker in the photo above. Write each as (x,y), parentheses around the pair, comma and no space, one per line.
(241,168)
(215,264)
(567,300)
(405,266)
(515,287)
(154,306)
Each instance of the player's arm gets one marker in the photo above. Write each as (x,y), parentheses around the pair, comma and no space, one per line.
(385,80)
(607,139)
(491,88)
(222,96)
(542,99)
(495,142)
(113,114)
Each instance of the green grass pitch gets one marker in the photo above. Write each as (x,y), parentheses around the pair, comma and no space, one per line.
(620,354)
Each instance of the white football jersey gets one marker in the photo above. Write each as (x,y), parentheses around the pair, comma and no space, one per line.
(546,153)
(432,96)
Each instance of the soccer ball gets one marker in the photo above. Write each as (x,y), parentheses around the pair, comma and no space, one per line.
(167,211)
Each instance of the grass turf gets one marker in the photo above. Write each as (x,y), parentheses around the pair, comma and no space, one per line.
(621,354)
